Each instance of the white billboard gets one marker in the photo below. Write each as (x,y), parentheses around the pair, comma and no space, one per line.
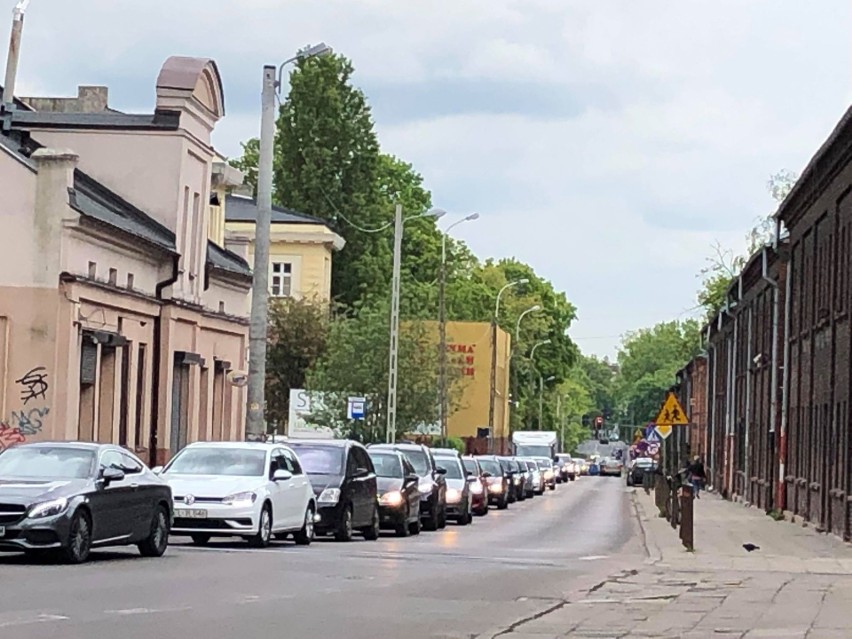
(300,424)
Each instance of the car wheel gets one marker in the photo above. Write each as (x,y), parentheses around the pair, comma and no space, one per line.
(466,518)
(371,532)
(403,529)
(264,529)
(415,527)
(158,540)
(79,539)
(432,521)
(442,516)
(552,486)
(305,536)
(503,504)
(344,528)
(200,540)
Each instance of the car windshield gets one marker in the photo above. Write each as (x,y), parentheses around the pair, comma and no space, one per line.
(507,464)
(320,460)
(544,464)
(490,466)
(233,462)
(419,460)
(470,466)
(452,466)
(386,464)
(61,462)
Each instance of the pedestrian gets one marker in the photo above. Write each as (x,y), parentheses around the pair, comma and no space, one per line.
(698,476)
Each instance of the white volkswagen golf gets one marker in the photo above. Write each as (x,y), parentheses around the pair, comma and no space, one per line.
(249,490)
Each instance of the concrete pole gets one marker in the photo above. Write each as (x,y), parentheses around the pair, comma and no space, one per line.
(255,409)
(394,325)
(14,54)
(442,328)
(492,391)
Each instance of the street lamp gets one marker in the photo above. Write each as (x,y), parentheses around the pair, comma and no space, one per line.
(541,383)
(532,362)
(492,391)
(390,436)
(442,327)
(256,400)
(531,309)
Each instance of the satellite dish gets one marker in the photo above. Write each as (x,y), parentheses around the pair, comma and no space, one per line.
(237,378)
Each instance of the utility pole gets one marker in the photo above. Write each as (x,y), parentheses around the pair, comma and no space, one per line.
(255,414)
(492,394)
(394,324)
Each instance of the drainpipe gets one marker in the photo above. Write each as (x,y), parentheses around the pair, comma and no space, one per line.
(785,392)
(12,58)
(773,397)
(748,408)
(156,363)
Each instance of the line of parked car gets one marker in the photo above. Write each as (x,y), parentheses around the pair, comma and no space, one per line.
(67,498)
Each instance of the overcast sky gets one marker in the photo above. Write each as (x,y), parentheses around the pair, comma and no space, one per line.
(608,144)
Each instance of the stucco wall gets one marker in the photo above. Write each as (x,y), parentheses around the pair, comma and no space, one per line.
(18,185)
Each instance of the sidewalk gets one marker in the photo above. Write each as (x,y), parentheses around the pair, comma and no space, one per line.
(797,585)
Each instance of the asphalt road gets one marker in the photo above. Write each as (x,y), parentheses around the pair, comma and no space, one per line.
(461,582)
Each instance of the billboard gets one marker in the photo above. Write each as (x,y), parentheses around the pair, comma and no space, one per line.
(300,424)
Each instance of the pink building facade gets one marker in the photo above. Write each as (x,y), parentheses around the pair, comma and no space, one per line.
(120,321)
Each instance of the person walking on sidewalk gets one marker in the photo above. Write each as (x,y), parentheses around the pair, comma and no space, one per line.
(697,475)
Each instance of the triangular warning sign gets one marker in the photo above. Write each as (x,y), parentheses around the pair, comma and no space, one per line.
(671,414)
(653,437)
(664,430)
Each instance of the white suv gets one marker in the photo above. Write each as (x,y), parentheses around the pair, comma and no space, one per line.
(249,490)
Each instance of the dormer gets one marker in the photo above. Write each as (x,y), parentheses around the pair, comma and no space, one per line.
(193,88)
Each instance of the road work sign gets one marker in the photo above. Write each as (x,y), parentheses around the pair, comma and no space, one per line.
(671,414)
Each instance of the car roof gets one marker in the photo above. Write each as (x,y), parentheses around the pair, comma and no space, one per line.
(402,447)
(238,445)
(328,443)
(446,452)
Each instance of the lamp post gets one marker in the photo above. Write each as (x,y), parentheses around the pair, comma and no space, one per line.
(393,350)
(531,309)
(256,395)
(442,328)
(532,362)
(492,391)
(541,383)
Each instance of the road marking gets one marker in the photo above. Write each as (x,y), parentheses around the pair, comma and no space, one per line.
(145,611)
(593,557)
(25,621)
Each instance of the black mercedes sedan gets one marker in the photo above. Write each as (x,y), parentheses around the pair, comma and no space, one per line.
(70,497)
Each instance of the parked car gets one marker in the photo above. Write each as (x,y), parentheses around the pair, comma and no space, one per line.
(545,467)
(459,501)
(399,495)
(69,497)
(498,481)
(238,489)
(582,466)
(535,483)
(517,476)
(478,485)
(345,486)
(611,467)
(432,484)
(638,468)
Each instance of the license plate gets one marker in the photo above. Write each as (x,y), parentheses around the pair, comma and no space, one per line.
(191,513)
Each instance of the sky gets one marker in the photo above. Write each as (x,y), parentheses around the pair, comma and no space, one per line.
(607,144)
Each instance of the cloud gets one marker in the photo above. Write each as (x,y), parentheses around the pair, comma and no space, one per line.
(607,144)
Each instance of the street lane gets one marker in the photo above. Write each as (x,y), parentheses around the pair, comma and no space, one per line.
(459,582)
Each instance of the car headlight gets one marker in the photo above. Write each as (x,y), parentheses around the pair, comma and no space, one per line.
(476,488)
(48,508)
(495,488)
(240,499)
(517,481)
(548,474)
(425,486)
(391,498)
(329,496)
(453,496)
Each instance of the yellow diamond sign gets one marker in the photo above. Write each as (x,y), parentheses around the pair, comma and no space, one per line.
(671,414)
(664,430)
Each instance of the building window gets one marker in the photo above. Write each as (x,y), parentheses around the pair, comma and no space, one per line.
(282,279)
(130,281)
(113,276)
(93,270)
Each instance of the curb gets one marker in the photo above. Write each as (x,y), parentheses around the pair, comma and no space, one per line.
(651,549)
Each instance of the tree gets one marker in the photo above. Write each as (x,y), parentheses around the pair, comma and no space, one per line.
(725,265)
(298,335)
(648,360)
(355,362)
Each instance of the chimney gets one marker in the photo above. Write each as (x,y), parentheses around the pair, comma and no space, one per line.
(55,177)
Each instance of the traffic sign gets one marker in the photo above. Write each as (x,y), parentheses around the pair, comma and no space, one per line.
(649,429)
(653,437)
(355,408)
(671,414)
(664,430)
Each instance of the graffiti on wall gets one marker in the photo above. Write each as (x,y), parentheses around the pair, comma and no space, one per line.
(28,421)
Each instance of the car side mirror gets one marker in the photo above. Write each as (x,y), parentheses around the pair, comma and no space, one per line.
(486,475)
(360,473)
(282,475)
(411,478)
(467,473)
(157,470)
(472,479)
(110,475)
(440,471)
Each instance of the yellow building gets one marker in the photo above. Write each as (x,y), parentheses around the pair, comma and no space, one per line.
(300,252)
(469,352)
